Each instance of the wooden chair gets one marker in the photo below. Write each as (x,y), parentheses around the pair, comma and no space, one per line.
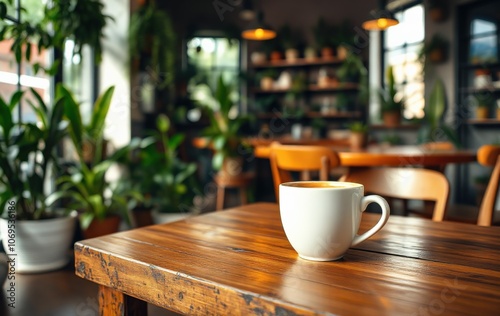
(285,159)
(489,155)
(405,183)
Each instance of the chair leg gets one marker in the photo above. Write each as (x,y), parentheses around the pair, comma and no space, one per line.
(220,197)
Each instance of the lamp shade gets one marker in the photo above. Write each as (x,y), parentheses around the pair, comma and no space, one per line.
(380,20)
(257,30)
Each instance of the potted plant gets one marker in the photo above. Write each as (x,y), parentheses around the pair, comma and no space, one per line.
(31,226)
(435,50)
(168,184)
(323,38)
(343,39)
(100,202)
(434,127)
(267,78)
(152,42)
(290,40)
(224,132)
(391,104)
(484,101)
(359,135)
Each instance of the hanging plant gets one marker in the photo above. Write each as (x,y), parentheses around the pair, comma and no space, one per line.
(152,41)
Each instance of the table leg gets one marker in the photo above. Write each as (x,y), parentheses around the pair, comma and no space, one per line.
(115,303)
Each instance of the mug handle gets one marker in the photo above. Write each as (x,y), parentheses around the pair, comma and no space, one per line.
(381,222)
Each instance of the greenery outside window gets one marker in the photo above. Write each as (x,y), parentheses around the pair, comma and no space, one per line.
(402,44)
(209,57)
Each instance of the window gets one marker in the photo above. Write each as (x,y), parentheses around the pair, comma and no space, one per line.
(483,41)
(14,76)
(211,57)
(401,47)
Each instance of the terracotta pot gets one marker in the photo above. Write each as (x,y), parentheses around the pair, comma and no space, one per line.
(327,53)
(99,228)
(482,112)
(498,114)
(391,119)
(436,56)
(275,56)
(358,140)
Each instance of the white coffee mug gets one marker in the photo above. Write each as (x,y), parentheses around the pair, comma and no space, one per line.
(321,218)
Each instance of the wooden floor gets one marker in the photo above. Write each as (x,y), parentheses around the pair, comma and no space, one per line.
(58,293)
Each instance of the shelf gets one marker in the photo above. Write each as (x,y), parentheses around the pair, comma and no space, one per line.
(480,66)
(483,122)
(398,127)
(282,63)
(338,115)
(346,86)
(479,90)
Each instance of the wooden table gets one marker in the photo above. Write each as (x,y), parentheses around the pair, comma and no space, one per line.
(239,261)
(383,155)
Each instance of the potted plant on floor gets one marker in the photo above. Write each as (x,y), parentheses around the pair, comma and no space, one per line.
(224,134)
(168,184)
(391,103)
(32,228)
(100,202)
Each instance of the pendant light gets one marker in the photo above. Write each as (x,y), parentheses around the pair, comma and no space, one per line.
(380,19)
(258,30)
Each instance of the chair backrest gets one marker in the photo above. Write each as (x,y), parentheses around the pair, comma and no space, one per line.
(285,159)
(405,183)
(489,155)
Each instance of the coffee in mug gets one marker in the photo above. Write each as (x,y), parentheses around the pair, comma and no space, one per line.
(321,218)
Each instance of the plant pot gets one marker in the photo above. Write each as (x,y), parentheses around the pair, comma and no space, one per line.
(275,56)
(482,112)
(437,55)
(310,54)
(358,140)
(327,53)
(258,57)
(99,228)
(163,218)
(266,83)
(40,245)
(88,150)
(342,52)
(291,54)
(142,216)
(498,114)
(391,119)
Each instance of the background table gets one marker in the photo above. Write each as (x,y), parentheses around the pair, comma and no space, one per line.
(383,155)
(239,262)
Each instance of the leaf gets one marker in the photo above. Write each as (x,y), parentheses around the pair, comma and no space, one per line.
(14,100)
(3,10)
(175,141)
(72,114)
(86,219)
(99,113)
(434,109)
(5,118)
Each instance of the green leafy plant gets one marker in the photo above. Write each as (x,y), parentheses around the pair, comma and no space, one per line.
(388,97)
(85,184)
(81,21)
(28,155)
(152,39)
(484,99)
(224,132)
(166,182)
(358,127)
(435,49)
(323,34)
(434,126)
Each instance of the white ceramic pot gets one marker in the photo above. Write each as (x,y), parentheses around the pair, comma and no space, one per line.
(38,246)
